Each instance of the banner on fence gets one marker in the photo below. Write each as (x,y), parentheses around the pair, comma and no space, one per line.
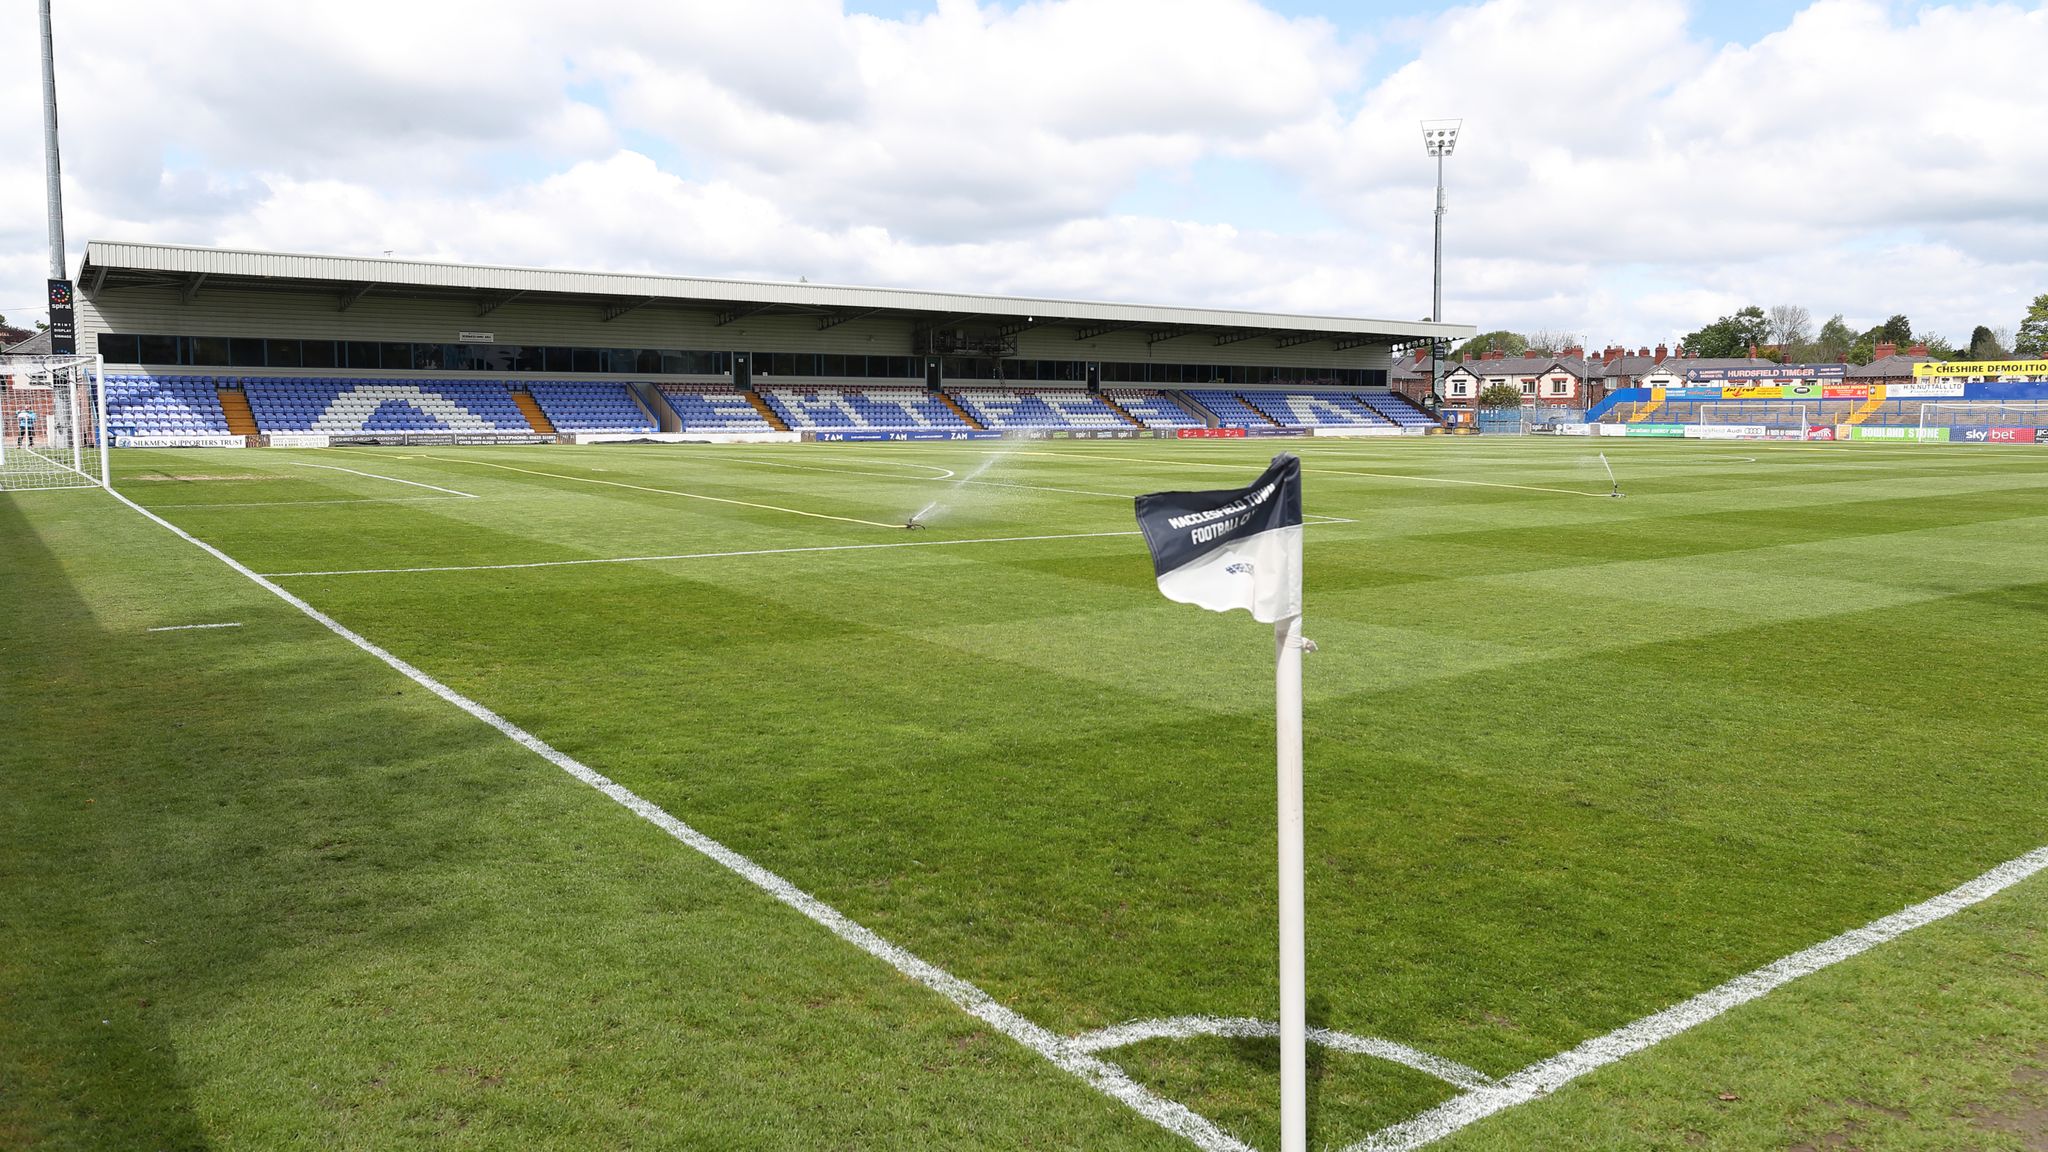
(181,441)
(1960,369)
(1918,389)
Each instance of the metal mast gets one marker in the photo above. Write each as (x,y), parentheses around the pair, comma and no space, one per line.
(52,168)
(1439,139)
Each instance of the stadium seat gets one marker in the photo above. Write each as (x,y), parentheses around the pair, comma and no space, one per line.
(1154,409)
(590,406)
(1037,408)
(879,409)
(142,405)
(340,406)
(711,408)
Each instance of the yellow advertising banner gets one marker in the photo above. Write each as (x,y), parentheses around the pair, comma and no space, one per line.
(1754,392)
(1956,368)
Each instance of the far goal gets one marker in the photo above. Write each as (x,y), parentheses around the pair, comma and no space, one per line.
(52,421)
(1985,421)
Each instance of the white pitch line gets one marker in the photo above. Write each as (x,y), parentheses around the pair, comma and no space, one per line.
(1101,1075)
(1246,1028)
(698,555)
(393,479)
(947,478)
(297,503)
(947,473)
(669,492)
(1306,466)
(1546,1076)
(193,627)
(723,555)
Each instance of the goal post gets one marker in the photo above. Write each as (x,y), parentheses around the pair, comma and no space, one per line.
(53,420)
(1764,413)
(1984,421)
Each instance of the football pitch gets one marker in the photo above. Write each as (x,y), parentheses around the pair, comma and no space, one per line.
(679,797)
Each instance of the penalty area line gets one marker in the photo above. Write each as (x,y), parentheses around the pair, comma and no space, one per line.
(1306,467)
(192,627)
(724,555)
(393,479)
(697,555)
(1547,1076)
(670,492)
(1099,1074)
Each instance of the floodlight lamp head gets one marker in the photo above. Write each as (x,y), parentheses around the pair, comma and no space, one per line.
(1440,137)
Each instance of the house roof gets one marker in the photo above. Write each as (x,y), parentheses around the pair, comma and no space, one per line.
(1890,368)
(1522,366)
(36,345)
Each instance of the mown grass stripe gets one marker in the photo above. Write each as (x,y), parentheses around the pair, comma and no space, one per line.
(1099,1074)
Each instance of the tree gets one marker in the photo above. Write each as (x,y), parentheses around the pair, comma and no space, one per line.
(2032,338)
(1897,330)
(1731,336)
(1547,342)
(1511,343)
(1834,341)
(1500,396)
(1791,329)
(1985,344)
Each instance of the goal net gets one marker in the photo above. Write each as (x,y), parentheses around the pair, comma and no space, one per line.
(1985,421)
(1757,413)
(51,415)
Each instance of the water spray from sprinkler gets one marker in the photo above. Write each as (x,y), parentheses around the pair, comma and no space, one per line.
(1615,491)
(912,523)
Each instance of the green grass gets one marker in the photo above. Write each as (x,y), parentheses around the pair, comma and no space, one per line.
(1570,760)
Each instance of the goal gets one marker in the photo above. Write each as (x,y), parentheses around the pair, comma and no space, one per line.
(52,417)
(1985,421)
(1757,413)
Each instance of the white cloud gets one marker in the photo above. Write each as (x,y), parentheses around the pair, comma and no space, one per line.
(1619,176)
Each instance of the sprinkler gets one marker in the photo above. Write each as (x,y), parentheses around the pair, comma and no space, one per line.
(912,525)
(1614,491)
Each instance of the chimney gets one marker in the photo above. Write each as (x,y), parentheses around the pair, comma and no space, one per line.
(1662,352)
(1752,351)
(1614,352)
(1468,358)
(1494,354)
(1421,354)
(1884,350)
(1918,349)
(1643,352)
(1575,352)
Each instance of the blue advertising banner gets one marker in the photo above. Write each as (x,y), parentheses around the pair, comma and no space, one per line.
(1770,373)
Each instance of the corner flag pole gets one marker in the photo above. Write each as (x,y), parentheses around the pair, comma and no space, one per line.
(1241,548)
(1293,936)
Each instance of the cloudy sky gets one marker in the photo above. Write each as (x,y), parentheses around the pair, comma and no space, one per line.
(1629,169)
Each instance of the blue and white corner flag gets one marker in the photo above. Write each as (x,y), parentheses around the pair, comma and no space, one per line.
(1233,548)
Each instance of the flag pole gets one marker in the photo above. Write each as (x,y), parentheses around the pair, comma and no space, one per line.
(1293,937)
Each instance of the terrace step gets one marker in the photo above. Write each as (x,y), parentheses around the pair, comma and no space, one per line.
(1869,407)
(530,408)
(767,413)
(1193,407)
(947,399)
(1110,403)
(1656,402)
(1267,416)
(234,404)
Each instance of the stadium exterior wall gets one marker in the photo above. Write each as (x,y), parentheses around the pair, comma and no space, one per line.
(228,312)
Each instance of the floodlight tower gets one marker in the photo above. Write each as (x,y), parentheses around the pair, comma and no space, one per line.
(1439,139)
(52,169)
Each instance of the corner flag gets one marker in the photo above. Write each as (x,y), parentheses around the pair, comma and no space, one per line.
(1231,548)
(1241,548)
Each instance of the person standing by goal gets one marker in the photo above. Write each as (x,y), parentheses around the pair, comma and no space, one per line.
(25,428)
